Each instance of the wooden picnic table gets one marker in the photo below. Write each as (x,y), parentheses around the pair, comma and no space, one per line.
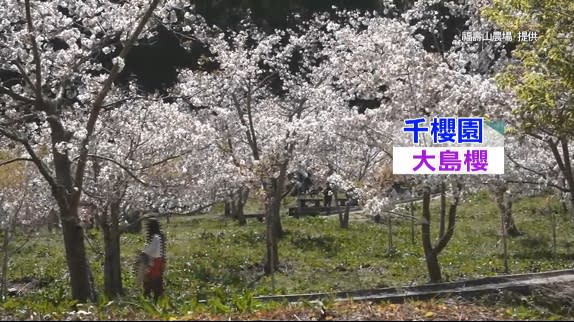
(302,202)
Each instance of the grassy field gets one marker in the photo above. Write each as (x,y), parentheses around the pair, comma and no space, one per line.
(217,260)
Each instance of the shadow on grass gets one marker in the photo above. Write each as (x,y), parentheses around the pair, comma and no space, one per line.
(532,242)
(539,248)
(543,255)
(326,244)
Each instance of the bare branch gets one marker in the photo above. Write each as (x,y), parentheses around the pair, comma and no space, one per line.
(194,211)
(24,118)
(110,106)
(15,160)
(25,74)
(264,82)
(525,167)
(172,157)
(33,155)
(123,167)
(18,97)
(537,183)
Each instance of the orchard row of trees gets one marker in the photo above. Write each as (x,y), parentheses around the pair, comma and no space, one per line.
(324,97)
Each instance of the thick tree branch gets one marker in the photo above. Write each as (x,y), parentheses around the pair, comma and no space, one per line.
(537,183)
(37,161)
(451,222)
(557,156)
(525,167)
(567,165)
(24,74)
(35,52)
(18,97)
(15,160)
(264,81)
(251,126)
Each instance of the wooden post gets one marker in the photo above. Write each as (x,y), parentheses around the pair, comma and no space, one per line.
(412,222)
(504,244)
(554,234)
(390,231)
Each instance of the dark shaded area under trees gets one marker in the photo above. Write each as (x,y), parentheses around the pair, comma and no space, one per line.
(154,63)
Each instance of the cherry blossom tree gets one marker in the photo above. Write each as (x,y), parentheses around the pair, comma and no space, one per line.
(139,158)
(63,89)
(524,175)
(383,60)
(265,111)
(316,97)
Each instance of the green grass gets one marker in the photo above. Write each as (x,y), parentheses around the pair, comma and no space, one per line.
(217,260)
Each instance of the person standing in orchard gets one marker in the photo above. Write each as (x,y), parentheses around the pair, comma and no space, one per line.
(150,264)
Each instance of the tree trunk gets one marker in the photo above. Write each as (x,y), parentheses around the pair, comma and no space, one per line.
(564,206)
(565,167)
(65,195)
(430,255)
(274,193)
(277,226)
(234,207)
(504,203)
(433,267)
(571,201)
(279,190)
(509,225)
(239,201)
(112,262)
(298,204)
(82,288)
(504,243)
(390,232)
(344,217)
(240,215)
(5,259)
(568,172)
(272,254)
(53,220)
(442,209)
(227,209)
(432,252)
